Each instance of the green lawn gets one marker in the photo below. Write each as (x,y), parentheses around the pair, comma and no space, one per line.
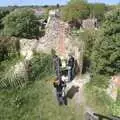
(97,99)
(35,102)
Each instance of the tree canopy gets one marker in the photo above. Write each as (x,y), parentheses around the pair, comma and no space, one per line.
(3,13)
(75,10)
(21,23)
(106,52)
(81,9)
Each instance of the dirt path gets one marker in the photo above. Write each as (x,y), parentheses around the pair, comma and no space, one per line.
(79,99)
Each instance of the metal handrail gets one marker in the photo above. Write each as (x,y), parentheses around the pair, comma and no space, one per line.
(102,117)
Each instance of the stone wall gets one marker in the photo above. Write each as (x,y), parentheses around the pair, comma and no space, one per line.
(27,46)
(113,87)
(56,37)
(89,23)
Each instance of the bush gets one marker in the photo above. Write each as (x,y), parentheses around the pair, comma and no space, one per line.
(3,13)
(21,104)
(97,99)
(21,23)
(105,57)
(9,48)
(116,108)
(88,37)
(100,101)
(8,77)
(42,65)
(75,10)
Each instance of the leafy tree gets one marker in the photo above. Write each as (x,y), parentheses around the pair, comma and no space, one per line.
(21,23)
(106,52)
(77,1)
(3,13)
(9,48)
(42,65)
(75,10)
(97,10)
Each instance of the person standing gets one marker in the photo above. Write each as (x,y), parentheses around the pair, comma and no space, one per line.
(57,66)
(71,65)
(60,91)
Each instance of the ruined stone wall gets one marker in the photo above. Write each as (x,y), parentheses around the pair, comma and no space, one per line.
(89,23)
(56,37)
(27,46)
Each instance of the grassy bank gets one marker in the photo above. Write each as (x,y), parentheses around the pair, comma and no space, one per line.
(35,102)
(101,103)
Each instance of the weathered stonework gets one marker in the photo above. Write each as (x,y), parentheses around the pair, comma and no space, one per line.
(56,37)
(27,46)
(113,87)
(89,23)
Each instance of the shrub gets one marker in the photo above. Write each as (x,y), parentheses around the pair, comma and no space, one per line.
(8,76)
(21,23)
(105,57)
(9,48)
(100,81)
(75,10)
(98,10)
(116,108)
(97,99)
(3,13)
(42,65)
(88,37)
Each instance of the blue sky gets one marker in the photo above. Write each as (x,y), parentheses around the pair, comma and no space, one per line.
(43,2)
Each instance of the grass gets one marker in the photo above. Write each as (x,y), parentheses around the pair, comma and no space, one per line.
(96,99)
(7,76)
(116,106)
(101,103)
(35,102)
(8,63)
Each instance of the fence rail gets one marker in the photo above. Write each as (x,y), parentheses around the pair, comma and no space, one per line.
(95,116)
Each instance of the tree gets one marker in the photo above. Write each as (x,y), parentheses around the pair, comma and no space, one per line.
(97,10)
(21,23)
(75,10)
(77,1)
(106,52)
(3,13)
(57,6)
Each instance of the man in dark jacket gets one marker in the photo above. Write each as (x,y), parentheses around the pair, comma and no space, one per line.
(57,65)
(71,65)
(60,93)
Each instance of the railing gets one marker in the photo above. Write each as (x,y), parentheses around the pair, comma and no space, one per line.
(102,117)
(95,116)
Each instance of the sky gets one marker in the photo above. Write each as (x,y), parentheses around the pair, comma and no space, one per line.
(48,2)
